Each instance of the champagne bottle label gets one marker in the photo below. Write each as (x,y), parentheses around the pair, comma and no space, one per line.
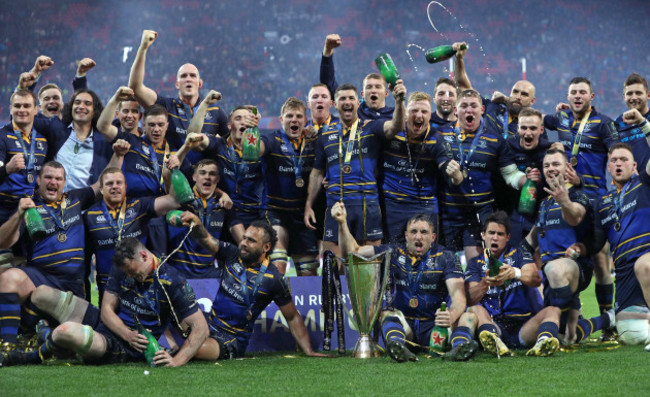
(174,218)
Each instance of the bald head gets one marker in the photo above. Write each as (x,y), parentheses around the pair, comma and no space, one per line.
(188,81)
(522,95)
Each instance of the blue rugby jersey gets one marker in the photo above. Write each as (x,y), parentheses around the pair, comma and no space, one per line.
(330,121)
(180,116)
(229,308)
(282,192)
(554,234)
(526,159)
(599,134)
(633,238)
(149,301)
(437,121)
(633,136)
(61,259)
(192,260)
(515,300)
(242,180)
(494,117)
(427,152)
(16,185)
(360,184)
(138,168)
(102,233)
(428,279)
(491,154)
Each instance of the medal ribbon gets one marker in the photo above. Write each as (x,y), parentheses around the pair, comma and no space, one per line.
(414,177)
(189,113)
(29,157)
(244,285)
(576,141)
(154,161)
(295,159)
(506,122)
(465,159)
(618,200)
(57,221)
(120,218)
(414,285)
(204,207)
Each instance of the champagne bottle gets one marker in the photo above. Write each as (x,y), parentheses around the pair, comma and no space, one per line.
(35,224)
(174,218)
(528,198)
(441,53)
(182,189)
(494,266)
(438,340)
(251,143)
(387,68)
(153,345)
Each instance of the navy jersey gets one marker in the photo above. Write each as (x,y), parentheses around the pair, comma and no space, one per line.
(525,159)
(498,119)
(423,278)
(437,121)
(102,229)
(633,237)
(598,136)
(242,180)
(554,234)
(282,156)
(180,115)
(61,252)
(360,184)
(141,174)
(16,185)
(153,300)
(514,300)
(192,260)
(411,173)
(229,308)
(319,127)
(491,153)
(632,135)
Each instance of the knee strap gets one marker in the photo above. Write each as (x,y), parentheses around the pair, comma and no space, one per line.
(64,306)
(87,342)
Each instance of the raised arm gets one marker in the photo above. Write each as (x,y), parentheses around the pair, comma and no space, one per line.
(83,67)
(460,74)
(105,121)
(327,75)
(347,243)
(392,127)
(572,212)
(145,95)
(200,233)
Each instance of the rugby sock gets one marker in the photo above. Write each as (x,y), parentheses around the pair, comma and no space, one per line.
(488,327)
(605,296)
(307,265)
(586,327)
(460,335)
(560,297)
(547,330)
(30,316)
(45,351)
(393,330)
(9,317)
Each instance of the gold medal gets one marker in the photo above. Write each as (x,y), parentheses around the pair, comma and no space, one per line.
(30,178)
(300,182)
(465,173)
(574,161)
(347,168)
(617,226)
(413,303)
(62,237)
(249,315)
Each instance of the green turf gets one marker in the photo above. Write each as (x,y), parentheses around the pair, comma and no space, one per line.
(587,371)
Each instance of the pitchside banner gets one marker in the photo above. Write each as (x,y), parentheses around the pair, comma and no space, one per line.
(271,332)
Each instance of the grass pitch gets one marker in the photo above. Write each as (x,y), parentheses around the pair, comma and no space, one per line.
(588,370)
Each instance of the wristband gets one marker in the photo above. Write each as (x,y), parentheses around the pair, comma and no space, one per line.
(645,128)
(517,273)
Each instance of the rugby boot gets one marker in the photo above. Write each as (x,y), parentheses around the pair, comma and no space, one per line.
(42,331)
(462,351)
(544,347)
(399,352)
(493,344)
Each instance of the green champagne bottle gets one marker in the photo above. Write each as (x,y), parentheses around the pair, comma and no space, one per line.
(528,198)
(35,224)
(387,68)
(438,340)
(153,345)
(182,189)
(441,53)
(174,218)
(251,143)
(494,267)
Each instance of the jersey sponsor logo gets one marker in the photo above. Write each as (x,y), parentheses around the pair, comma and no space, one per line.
(553,222)
(71,220)
(216,223)
(180,130)
(475,164)
(143,168)
(628,205)
(285,169)
(108,241)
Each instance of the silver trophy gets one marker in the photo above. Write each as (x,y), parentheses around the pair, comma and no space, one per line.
(366,285)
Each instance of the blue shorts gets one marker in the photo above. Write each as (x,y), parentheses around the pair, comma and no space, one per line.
(39,277)
(586,272)
(229,346)
(421,330)
(117,350)
(509,329)
(364,225)
(462,231)
(628,290)
(398,213)
(302,240)
(236,216)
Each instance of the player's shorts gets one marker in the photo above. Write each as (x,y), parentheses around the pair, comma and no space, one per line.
(628,289)
(421,330)
(464,230)
(39,277)
(229,346)
(634,331)
(117,350)
(585,273)
(509,329)
(235,216)
(364,225)
(398,213)
(302,240)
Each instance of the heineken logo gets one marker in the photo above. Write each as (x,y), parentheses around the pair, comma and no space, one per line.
(252,140)
(436,338)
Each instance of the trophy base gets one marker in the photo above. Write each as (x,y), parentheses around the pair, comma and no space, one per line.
(366,348)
